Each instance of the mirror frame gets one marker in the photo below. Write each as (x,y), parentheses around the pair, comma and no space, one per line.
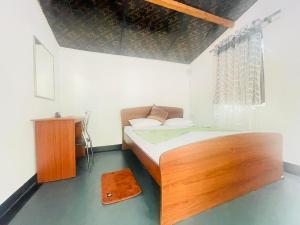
(35,42)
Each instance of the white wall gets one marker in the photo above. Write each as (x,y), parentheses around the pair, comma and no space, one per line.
(282,75)
(106,83)
(19,21)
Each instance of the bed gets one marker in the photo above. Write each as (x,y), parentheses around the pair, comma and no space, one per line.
(203,174)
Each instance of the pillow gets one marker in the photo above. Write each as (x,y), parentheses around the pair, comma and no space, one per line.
(158,113)
(144,123)
(178,122)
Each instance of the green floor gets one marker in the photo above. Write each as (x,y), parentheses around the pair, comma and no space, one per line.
(77,201)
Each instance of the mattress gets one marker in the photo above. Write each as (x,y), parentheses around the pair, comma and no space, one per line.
(154,151)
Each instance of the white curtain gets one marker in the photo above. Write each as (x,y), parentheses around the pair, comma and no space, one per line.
(240,79)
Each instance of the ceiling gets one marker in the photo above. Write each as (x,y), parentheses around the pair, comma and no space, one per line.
(138,28)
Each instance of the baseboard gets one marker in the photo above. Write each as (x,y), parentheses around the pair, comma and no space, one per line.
(107,148)
(291,168)
(17,200)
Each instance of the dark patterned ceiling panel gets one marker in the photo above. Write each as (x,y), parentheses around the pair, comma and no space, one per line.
(138,28)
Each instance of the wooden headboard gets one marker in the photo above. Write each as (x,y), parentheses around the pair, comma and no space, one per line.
(143,112)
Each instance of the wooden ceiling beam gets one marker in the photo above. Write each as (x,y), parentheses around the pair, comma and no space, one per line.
(186,9)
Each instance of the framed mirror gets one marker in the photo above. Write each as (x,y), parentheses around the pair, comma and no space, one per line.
(43,71)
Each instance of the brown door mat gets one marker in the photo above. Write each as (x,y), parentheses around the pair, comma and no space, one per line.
(119,186)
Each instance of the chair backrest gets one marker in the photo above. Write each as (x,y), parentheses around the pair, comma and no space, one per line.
(86,119)
(85,133)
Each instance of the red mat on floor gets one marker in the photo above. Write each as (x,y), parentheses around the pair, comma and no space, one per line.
(119,186)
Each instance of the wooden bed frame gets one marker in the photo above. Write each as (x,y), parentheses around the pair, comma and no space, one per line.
(201,175)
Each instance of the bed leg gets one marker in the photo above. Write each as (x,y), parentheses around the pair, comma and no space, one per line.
(165,223)
(165,215)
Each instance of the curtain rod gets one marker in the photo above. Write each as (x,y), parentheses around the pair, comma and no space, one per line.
(267,20)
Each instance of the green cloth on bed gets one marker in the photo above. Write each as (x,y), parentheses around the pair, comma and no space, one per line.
(155,136)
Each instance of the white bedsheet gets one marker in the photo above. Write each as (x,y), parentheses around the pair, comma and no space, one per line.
(155,150)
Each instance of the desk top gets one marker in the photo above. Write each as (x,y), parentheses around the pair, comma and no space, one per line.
(75,118)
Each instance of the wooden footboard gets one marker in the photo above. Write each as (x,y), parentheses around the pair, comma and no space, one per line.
(202,175)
